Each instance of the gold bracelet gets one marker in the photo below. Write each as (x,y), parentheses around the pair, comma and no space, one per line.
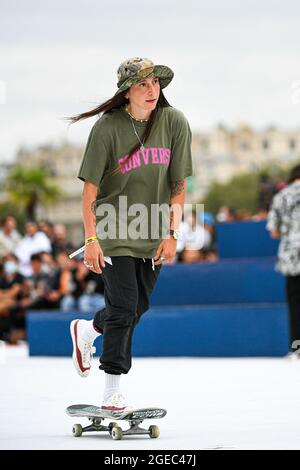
(87,240)
(89,243)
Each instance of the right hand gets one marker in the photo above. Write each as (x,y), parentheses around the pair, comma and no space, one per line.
(93,255)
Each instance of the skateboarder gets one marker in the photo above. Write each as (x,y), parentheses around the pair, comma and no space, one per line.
(138,155)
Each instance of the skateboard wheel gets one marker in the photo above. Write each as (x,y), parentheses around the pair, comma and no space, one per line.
(77,430)
(112,425)
(116,433)
(154,431)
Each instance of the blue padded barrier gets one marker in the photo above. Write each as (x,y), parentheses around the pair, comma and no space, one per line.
(211,331)
(228,281)
(230,308)
(245,240)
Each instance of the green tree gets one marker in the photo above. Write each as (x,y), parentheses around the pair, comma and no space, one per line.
(7,208)
(241,191)
(28,186)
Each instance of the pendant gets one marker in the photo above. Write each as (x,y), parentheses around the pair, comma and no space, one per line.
(142,147)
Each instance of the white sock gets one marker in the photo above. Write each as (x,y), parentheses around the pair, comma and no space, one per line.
(112,385)
(89,334)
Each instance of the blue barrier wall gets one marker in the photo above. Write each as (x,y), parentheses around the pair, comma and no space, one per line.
(244,240)
(211,331)
(228,281)
(230,308)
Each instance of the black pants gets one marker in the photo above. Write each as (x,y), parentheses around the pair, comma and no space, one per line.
(128,283)
(293,299)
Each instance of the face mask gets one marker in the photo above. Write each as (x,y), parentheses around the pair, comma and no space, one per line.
(46,268)
(10,267)
(221,217)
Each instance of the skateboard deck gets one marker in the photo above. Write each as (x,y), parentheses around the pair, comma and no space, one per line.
(134,416)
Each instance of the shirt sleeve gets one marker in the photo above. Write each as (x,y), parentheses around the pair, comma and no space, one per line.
(181,164)
(274,214)
(95,158)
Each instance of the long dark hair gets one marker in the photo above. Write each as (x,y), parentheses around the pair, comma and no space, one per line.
(116,102)
(294,174)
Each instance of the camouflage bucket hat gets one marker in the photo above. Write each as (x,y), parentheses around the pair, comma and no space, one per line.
(135,69)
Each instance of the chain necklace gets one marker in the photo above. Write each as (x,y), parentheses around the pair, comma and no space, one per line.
(140,120)
(135,131)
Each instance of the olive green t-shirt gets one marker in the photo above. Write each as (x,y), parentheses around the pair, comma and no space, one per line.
(127,206)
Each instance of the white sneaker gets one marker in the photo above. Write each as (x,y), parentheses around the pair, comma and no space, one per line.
(116,403)
(82,351)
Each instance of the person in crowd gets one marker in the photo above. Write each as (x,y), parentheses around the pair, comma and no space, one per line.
(194,239)
(226,214)
(49,264)
(37,287)
(12,315)
(63,288)
(9,235)
(33,242)
(91,296)
(47,227)
(60,242)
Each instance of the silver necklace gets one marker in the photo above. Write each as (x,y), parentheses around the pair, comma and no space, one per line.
(134,129)
(140,120)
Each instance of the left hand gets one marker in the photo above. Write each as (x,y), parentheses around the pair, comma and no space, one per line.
(166,249)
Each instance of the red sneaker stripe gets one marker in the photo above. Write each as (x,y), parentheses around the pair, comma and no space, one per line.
(112,408)
(78,354)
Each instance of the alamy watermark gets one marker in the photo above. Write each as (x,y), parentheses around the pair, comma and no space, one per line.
(138,221)
(296,346)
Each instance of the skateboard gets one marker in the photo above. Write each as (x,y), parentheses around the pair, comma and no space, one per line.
(134,417)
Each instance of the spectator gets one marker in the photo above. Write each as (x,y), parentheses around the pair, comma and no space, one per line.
(12,315)
(37,287)
(194,238)
(242,215)
(9,236)
(261,214)
(47,227)
(34,241)
(211,256)
(60,242)
(65,282)
(92,289)
(191,255)
(226,214)
(81,288)
(48,262)
(284,223)
(209,226)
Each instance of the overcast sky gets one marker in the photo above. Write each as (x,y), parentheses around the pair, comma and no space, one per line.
(233,61)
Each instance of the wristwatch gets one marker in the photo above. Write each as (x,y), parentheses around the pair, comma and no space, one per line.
(174,233)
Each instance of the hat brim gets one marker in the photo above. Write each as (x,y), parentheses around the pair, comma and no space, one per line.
(164,73)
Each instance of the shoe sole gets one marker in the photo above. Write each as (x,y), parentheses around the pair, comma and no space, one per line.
(74,355)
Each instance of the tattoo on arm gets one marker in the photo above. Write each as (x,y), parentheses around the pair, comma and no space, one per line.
(177,188)
(171,218)
(93,207)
